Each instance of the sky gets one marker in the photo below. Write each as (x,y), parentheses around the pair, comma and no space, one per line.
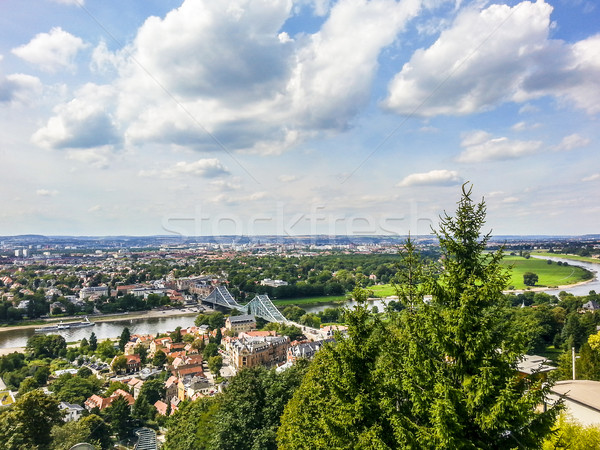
(203,117)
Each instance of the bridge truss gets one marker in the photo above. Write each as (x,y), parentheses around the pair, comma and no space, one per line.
(259,306)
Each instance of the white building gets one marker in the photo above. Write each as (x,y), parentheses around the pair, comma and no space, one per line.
(273,283)
(582,399)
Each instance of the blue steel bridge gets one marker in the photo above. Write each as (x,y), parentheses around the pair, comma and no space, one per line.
(259,306)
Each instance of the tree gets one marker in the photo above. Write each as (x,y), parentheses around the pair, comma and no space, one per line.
(118,414)
(159,359)
(154,390)
(214,364)
(176,335)
(141,350)
(530,278)
(193,425)
(293,313)
(27,385)
(216,320)
(119,364)
(571,435)
(438,374)
(76,389)
(124,338)
(42,346)
(211,349)
(106,349)
(93,342)
(91,429)
(29,422)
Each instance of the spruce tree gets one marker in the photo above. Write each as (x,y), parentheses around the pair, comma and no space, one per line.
(441,373)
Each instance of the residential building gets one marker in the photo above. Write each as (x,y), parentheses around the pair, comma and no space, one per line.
(581,399)
(238,324)
(72,412)
(306,350)
(273,283)
(103,403)
(256,351)
(93,291)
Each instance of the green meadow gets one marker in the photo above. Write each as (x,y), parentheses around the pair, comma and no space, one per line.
(549,274)
(573,257)
(308,300)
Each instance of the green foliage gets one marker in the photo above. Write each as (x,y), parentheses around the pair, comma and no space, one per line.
(118,415)
(293,313)
(93,342)
(211,349)
(124,338)
(75,389)
(141,350)
(28,424)
(114,386)
(27,385)
(438,374)
(310,320)
(176,335)
(91,429)
(214,320)
(246,416)
(568,434)
(106,350)
(159,359)
(214,364)
(119,364)
(153,390)
(192,426)
(530,278)
(46,346)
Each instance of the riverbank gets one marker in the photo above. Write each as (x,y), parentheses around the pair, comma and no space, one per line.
(112,318)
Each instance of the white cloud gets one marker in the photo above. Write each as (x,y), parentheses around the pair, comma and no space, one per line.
(480,146)
(287,178)
(51,51)
(528,108)
(19,88)
(495,55)
(84,122)
(70,2)
(509,200)
(46,192)
(198,76)
(593,177)
(98,158)
(433,177)
(205,168)
(572,142)
(524,126)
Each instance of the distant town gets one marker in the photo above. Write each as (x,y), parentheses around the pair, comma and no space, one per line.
(250,300)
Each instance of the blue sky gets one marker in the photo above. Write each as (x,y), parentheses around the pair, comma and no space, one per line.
(297,117)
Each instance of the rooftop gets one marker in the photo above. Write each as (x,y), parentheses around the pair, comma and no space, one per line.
(584,392)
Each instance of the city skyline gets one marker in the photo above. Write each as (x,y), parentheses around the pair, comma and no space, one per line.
(297,117)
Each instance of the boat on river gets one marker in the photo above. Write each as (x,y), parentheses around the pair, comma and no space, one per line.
(65,326)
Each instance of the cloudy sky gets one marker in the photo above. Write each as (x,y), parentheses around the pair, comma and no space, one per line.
(297,116)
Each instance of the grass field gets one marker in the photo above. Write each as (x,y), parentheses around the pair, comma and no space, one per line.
(549,274)
(573,257)
(309,300)
(382,290)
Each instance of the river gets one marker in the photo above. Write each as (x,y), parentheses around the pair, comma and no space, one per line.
(146,325)
(103,330)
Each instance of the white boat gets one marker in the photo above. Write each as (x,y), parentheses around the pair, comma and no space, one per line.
(65,326)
